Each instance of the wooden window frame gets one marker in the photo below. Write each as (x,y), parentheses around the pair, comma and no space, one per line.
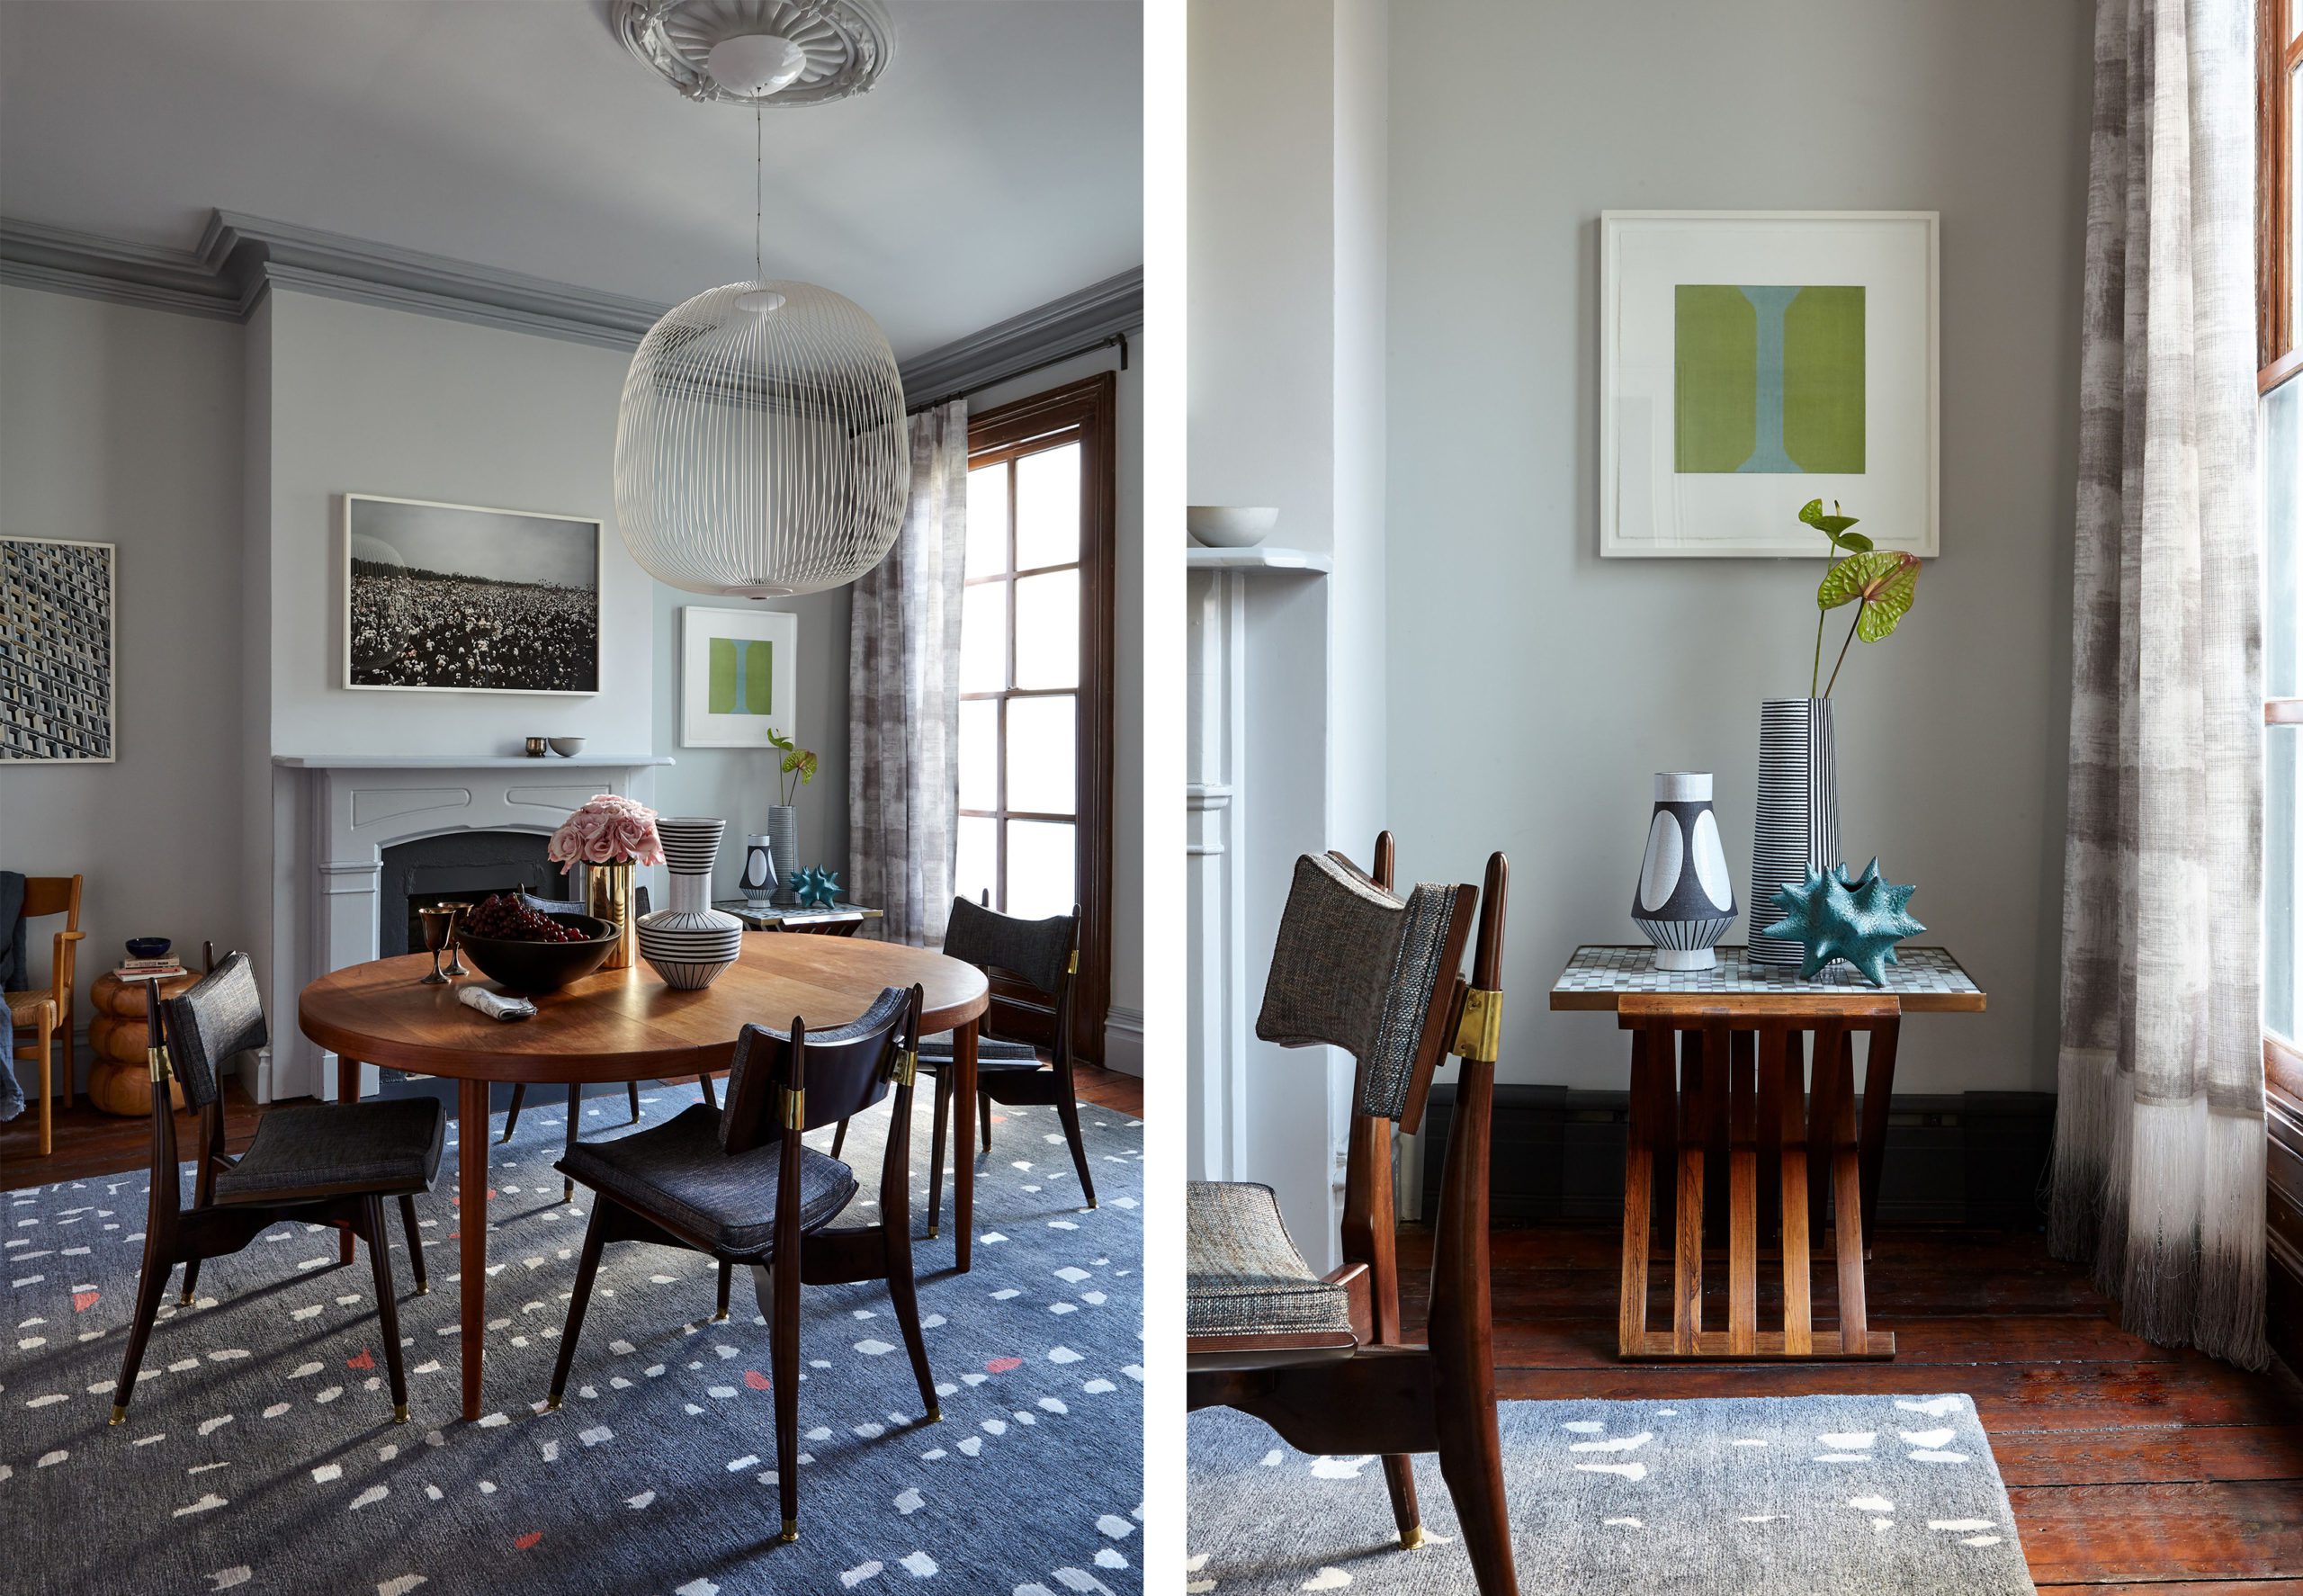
(1089,411)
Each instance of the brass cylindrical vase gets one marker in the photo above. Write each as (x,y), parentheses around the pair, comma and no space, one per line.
(607,895)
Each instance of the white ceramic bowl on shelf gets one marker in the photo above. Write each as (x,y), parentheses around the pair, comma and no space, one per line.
(1230,526)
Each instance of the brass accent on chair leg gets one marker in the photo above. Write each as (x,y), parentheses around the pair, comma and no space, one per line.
(400,1412)
(1093,1205)
(119,1413)
(721,1317)
(935,1414)
(1410,1538)
(790,1531)
(185,1300)
(551,1403)
(934,1231)
(423,1288)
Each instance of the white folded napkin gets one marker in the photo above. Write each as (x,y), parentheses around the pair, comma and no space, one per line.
(496,1005)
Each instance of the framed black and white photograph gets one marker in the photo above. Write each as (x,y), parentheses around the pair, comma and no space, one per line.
(453,598)
(57,628)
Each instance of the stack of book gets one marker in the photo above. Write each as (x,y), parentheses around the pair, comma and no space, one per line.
(148,969)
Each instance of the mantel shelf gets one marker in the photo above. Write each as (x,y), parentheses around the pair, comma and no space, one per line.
(462,761)
(1306,561)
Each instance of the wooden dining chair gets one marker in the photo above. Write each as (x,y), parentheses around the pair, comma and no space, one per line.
(45,1016)
(317,1163)
(1321,1358)
(1043,955)
(740,1186)
(575,1088)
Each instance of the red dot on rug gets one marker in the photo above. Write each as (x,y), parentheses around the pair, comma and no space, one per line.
(82,1301)
(366,1360)
(524,1541)
(1000,1365)
(755,1379)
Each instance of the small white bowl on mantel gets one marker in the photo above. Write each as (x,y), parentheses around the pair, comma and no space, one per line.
(1230,526)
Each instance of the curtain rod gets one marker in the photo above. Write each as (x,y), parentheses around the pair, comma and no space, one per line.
(1116,340)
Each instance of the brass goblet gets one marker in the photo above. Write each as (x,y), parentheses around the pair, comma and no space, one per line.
(456,912)
(437,921)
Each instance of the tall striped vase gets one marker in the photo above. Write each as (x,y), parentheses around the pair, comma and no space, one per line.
(691,943)
(1795,827)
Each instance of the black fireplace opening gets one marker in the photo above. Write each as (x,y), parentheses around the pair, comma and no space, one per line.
(457,867)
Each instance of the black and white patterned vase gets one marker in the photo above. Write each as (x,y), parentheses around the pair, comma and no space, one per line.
(1795,826)
(759,878)
(690,944)
(1686,898)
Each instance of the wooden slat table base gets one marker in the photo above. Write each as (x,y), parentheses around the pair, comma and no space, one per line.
(1736,1094)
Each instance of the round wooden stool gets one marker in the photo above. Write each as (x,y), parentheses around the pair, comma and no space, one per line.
(119,1081)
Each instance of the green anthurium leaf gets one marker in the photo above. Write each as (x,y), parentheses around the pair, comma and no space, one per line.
(1866,577)
(1890,597)
(1854,542)
(1832,524)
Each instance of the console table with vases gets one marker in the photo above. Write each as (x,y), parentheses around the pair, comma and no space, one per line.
(1745,1135)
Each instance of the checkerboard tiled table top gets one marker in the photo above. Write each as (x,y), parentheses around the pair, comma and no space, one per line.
(1927,980)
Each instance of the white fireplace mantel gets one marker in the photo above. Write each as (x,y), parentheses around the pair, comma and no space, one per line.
(355,806)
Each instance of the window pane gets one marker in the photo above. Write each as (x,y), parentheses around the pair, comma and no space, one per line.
(1047,507)
(984,637)
(980,754)
(1041,866)
(2282,880)
(972,877)
(1041,763)
(1047,629)
(987,520)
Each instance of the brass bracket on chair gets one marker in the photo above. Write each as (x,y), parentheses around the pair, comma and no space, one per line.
(158,1057)
(1479,1035)
(907,1066)
(795,1108)
(1073,967)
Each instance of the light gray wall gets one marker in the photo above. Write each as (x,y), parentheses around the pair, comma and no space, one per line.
(122,426)
(1533,687)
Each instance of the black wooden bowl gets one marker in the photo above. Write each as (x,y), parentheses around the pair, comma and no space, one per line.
(541,967)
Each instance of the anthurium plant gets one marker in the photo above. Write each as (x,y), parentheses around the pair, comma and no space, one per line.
(799,766)
(1879,584)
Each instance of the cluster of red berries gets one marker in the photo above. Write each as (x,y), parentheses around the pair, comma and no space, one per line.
(505,918)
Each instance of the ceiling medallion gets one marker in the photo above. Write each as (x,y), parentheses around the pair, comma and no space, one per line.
(759,52)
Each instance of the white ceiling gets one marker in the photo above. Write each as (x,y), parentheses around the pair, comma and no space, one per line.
(997,164)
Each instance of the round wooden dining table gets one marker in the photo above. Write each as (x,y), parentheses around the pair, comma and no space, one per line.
(626,1025)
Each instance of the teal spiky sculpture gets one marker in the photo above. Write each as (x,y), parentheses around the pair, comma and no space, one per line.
(816,887)
(1832,917)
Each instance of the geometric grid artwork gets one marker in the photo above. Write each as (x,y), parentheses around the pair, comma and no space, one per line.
(1768,380)
(56,683)
(1921,970)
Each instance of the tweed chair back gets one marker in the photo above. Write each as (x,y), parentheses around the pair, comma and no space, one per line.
(219,1017)
(1036,951)
(1358,967)
(839,1072)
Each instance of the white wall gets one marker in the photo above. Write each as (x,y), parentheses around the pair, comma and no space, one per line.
(122,426)
(1543,686)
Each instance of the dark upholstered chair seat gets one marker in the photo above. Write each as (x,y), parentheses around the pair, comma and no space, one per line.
(990,1053)
(1243,1275)
(677,1170)
(315,1150)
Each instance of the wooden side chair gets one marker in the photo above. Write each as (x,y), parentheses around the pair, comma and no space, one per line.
(1044,955)
(46,1015)
(1321,1358)
(739,1185)
(325,1163)
(575,1088)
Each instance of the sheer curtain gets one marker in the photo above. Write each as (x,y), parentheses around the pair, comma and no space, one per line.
(2159,1135)
(903,695)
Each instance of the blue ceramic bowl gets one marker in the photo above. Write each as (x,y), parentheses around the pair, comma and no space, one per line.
(146,947)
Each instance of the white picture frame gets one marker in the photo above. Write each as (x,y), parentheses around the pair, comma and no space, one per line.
(552,555)
(1651,509)
(59,604)
(703,727)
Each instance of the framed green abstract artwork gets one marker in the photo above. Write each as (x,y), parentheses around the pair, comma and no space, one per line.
(1751,360)
(737,676)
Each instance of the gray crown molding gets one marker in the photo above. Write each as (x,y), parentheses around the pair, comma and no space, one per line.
(240,256)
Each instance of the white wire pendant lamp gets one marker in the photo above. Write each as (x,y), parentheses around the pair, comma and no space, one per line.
(760,446)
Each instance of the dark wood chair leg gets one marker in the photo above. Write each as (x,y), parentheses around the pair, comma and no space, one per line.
(839,1138)
(1471,1460)
(777,1286)
(575,1109)
(935,1152)
(409,1228)
(380,1258)
(1399,1475)
(710,1098)
(1067,1109)
(586,1267)
(900,1289)
(190,1282)
(149,1289)
(512,1115)
(983,1113)
(631,1093)
(727,1279)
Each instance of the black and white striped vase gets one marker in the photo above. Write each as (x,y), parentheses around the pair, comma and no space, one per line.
(1795,826)
(690,943)
(1686,897)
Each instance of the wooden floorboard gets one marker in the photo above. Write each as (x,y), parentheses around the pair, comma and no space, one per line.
(2131,1467)
(86,1142)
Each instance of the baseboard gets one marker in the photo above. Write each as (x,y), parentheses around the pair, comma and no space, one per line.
(1123,1040)
(1976,1158)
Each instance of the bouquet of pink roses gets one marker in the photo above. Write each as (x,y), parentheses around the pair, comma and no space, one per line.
(608,831)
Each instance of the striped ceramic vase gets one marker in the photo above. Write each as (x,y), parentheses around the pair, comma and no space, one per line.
(691,943)
(1795,827)
(1686,899)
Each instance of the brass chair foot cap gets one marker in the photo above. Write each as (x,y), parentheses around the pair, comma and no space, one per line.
(1093,1205)
(790,1531)
(119,1413)
(423,1288)
(551,1404)
(400,1412)
(721,1317)
(1410,1538)
(184,1301)
(933,1231)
